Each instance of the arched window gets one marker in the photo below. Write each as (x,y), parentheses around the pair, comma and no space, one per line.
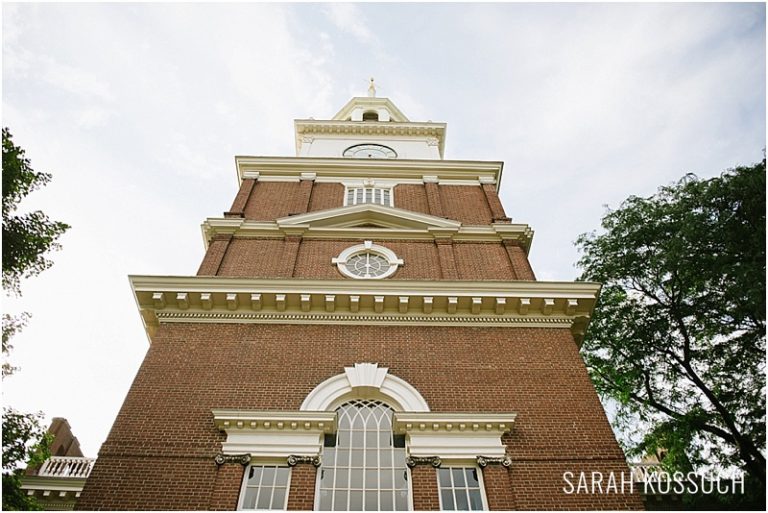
(364,463)
(370,116)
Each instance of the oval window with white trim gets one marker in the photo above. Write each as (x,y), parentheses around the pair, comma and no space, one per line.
(367,261)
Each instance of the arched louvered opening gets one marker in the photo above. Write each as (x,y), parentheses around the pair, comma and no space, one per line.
(364,462)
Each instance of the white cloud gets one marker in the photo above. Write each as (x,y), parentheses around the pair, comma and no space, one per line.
(348,17)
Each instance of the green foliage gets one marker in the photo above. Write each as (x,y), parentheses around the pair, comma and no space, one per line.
(24,441)
(11,326)
(26,237)
(678,336)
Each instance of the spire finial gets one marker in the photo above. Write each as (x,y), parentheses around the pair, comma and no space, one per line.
(372,89)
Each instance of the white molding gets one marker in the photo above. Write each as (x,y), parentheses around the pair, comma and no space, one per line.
(454,436)
(367,212)
(367,246)
(343,223)
(273,434)
(393,169)
(365,380)
(430,303)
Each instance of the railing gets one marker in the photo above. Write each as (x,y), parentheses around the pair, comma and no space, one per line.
(644,471)
(66,466)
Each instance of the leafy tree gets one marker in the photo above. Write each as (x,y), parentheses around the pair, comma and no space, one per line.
(678,336)
(24,441)
(26,240)
(26,237)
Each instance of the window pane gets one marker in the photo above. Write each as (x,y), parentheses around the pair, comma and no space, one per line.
(342,478)
(249,501)
(278,499)
(401,501)
(357,480)
(340,500)
(371,479)
(325,500)
(360,195)
(350,197)
(444,477)
(264,498)
(371,501)
(282,476)
(357,459)
(475,500)
(386,501)
(386,479)
(372,458)
(472,480)
(461,500)
(458,477)
(355,500)
(447,497)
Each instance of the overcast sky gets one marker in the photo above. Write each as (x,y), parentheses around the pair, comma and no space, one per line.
(138,111)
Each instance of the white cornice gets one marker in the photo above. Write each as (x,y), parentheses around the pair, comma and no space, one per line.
(274,434)
(293,167)
(265,420)
(499,423)
(454,436)
(164,299)
(339,223)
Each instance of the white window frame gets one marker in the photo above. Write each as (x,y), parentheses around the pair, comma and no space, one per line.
(366,190)
(367,247)
(244,485)
(483,498)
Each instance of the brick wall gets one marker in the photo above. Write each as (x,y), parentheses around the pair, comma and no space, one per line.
(264,258)
(266,201)
(159,453)
(301,496)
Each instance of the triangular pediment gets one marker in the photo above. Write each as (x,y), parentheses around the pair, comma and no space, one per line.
(367,103)
(369,216)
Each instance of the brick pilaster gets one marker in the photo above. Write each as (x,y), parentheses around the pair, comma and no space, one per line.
(433,198)
(519,261)
(301,496)
(215,254)
(305,191)
(424,486)
(497,210)
(447,259)
(226,489)
(238,206)
(498,489)
(290,252)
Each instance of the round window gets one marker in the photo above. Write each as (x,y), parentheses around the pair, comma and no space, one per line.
(367,261)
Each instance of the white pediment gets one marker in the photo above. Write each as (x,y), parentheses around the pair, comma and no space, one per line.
(368,103)
(369,216)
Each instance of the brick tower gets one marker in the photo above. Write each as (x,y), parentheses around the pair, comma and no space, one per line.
(364,332)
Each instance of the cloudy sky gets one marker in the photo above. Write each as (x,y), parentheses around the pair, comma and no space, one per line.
(138,110)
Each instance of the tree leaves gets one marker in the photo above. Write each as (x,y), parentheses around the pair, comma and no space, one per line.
(678,336)
(26,237)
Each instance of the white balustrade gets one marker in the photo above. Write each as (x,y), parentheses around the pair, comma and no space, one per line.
(67,466)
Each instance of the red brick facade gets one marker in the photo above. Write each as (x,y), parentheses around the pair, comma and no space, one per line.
(160,451)
(159,454)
